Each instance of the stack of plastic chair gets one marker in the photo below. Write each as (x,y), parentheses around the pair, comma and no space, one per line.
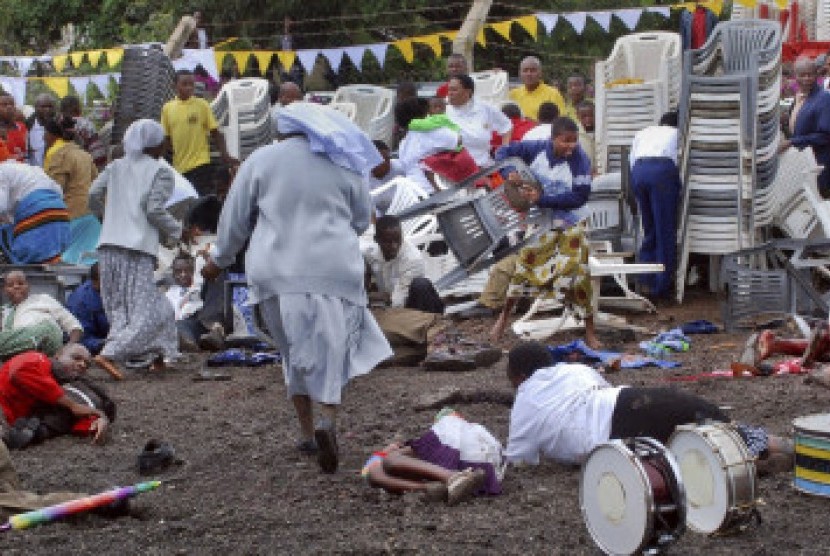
(729,134)
(243,112)
(146,84)
(822,20)
(491,86)
(637,84)
(374,109)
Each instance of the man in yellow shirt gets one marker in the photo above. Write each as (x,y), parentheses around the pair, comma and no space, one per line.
(533,91)
(187,122)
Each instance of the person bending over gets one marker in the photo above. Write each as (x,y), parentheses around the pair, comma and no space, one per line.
(564,411)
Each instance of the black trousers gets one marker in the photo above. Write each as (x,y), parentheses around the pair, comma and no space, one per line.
(424,297)
(656,412)
(202,179)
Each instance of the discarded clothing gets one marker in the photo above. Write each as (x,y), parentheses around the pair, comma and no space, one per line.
(667,343)
(571,353)
(699,327)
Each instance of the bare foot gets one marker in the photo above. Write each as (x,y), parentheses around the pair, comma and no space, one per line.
(109,366)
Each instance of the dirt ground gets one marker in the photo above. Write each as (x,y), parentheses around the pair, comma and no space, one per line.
(242,488)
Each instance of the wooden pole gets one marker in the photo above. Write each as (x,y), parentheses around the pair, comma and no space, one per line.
(465,41)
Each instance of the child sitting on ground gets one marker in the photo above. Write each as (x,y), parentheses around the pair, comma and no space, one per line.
(451,462)
(86,305)
(33,322)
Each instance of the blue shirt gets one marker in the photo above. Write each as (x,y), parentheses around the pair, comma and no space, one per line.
(86,304)
(812,128)
(566,181)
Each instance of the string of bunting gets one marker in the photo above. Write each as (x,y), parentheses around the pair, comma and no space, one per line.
(16,86)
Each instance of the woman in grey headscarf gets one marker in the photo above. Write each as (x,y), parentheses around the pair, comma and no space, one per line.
(302,202)
(131,194)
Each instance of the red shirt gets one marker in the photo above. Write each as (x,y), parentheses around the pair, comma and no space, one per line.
(443,90)
(25,380)
(520,127)
(699,27)
(16,142)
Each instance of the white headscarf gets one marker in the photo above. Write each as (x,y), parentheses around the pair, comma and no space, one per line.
(331,133)
(140,135)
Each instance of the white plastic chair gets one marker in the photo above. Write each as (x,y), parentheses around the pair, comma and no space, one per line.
(408,194)
(243,111)
(822,20)
(491,86)
(349,109)
(374,105)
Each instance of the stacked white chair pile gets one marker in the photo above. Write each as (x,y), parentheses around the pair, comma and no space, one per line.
(822,19)
(729,135)
(491,86)
(637,84)
(770,9)
(374,109)
(243,112)
(146,84)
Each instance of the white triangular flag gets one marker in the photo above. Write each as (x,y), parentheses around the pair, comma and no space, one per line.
(16,87)
(629,17)
(81,84)
(577,21)
(102,82)
(307,59)
(23,64)
(379,52)
(603,18)
(548,21)
(334,56)
(116,77)
(665,11)
(355,54)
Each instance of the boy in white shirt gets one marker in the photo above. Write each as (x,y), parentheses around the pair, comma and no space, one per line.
(185,297)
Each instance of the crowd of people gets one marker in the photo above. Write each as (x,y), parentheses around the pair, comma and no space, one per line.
(291,220)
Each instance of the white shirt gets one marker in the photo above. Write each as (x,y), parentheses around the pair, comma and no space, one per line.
(541,131)
(657,141)
(37,143)
(18,180)
(37,308)
(478,120)
(383,200)
(394,277)
(561,412)
(418,145)
(185,301)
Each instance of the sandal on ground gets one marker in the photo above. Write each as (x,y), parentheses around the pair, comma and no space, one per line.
(463,485)
(434,492)
(307,447)
(155,457)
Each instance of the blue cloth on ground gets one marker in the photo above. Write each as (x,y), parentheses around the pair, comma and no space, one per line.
(699,327)
(84,233)
(88,307)
(666,343)
(563,354)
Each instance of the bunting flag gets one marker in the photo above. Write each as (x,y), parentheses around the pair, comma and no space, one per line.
(287,59)
(60,85)
(665,11)
(102,83)
(241,59)
(406,50)
(481,39)
(80,84)
(629,17)
(379,52)
(449,35)
(263,59)
(114,56)
(548,21)
(94,57)
(603,19)
(24,63)
(355,54)
(59,62)
(16,87)
(577,21)
(307,59)
(219,58)
(432,41)
(503,29)
(530,24)
(77,59)
(334,56)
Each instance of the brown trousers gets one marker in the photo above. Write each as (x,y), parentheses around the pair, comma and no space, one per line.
(498,281)
(408,331)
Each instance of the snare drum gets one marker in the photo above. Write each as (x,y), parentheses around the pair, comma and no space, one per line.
(718,472)
(812,454)
(631,497)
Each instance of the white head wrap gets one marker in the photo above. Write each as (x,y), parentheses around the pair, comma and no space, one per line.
(331,133)
(142,134)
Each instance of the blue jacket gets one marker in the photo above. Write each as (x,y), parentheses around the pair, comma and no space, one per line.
(812,129)
(86,304)
(566,182)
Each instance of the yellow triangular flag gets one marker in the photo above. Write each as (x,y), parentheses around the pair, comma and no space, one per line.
(529,23)
(114,56)
(782,4)
(405,47)
(480,39)
(94,57)
(263,58)
(287,58)
(59,62)
(432,41)
(502,28)
(241,58)
(77,58)
(220,58)
(449,35)
(60,85)
(748,4)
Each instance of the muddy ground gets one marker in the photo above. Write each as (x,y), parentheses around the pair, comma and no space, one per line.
(243,489)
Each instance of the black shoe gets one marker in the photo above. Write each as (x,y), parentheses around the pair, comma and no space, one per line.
(326,439)
(23,433)
(155,457)
(307,447)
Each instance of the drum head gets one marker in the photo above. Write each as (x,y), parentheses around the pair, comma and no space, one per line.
(813,425)
(616,499)
(707,495)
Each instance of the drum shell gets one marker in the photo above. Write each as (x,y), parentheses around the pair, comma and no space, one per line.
(812,454)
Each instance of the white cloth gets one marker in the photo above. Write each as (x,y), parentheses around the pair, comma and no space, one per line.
(474,443)
(185,301)
(657,141)
(394,277)
(142,134)
(331,133)
(538,133)
(37,144)
(562,413)
(39,307)
(417,145)
(382,200)
(325,341)
(478,120)
(18,180)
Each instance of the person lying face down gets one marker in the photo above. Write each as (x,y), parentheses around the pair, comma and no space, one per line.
(564,411)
